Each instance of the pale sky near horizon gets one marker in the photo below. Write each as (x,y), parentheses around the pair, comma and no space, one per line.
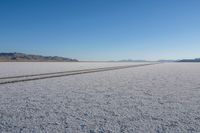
(102,29)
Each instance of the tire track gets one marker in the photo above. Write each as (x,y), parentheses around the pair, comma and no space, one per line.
(23,78)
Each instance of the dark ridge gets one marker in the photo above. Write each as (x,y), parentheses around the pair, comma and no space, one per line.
(21,57)
(190,60)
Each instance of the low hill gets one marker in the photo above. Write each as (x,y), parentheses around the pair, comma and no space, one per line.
(21,57)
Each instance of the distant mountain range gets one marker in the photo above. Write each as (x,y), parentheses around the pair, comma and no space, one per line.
(167,60)
(21,57)
(129,60)
(190,60)
(182,60)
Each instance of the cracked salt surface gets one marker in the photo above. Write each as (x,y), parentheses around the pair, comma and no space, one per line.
(158,98)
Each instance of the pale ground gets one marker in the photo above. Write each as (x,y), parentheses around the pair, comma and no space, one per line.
(27,68)
(160,98)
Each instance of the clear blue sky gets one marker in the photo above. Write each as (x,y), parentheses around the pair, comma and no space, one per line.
(102,29)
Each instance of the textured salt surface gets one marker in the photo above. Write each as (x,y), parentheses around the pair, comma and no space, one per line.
(24,68)
(159,98)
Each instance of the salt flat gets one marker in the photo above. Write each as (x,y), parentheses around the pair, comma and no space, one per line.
(26,68)
(158,98)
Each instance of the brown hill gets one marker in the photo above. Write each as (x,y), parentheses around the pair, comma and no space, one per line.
(21,57)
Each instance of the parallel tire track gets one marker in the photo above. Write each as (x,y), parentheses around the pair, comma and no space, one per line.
(23,78)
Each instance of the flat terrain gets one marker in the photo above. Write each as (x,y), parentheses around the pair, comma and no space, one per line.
(155,98)
(26,68)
